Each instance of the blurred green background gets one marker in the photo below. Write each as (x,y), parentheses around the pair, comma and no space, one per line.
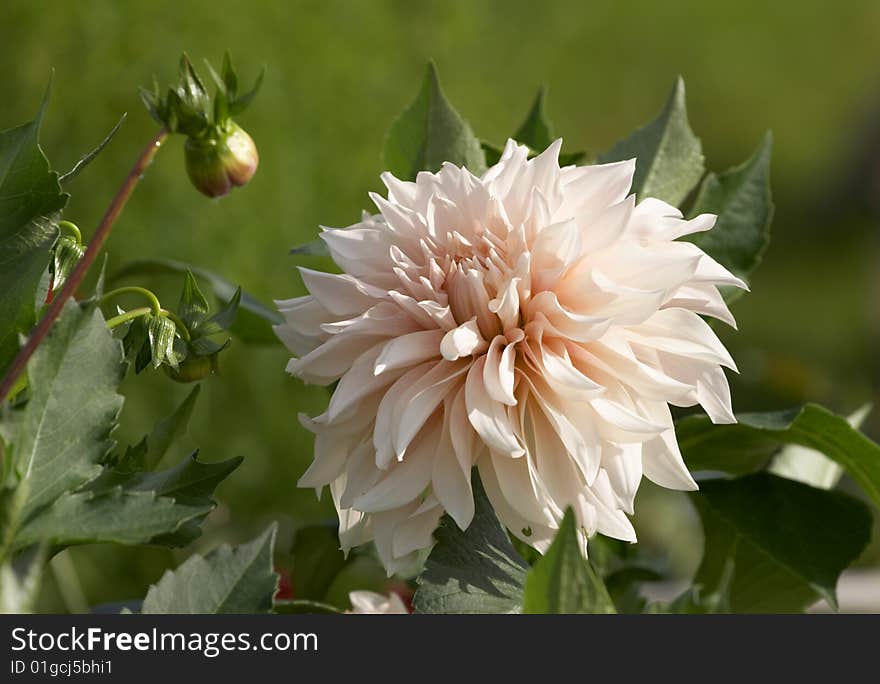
(338,73)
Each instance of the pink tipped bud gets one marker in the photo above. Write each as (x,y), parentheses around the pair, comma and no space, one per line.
(215,165)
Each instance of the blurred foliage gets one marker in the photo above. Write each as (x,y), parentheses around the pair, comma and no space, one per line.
(339,72)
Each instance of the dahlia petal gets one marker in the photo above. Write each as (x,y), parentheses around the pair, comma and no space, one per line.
(684,333)
(465,442)
(538,535)
(405,480)
(464,340)
(498,371)
(701,298)
(451,483)
(623,464)
(408,350)
(332,359)
(361,381)
(341,294)
(421,400)
(610,520)
(663,465)
(590,189)
(417,531)
(488,418)
(623,418)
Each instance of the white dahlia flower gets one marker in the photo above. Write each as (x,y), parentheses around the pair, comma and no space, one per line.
(535,322)
(371,603)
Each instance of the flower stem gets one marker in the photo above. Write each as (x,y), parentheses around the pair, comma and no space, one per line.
(79,272)
(154,300)
(127,316)
(72,229)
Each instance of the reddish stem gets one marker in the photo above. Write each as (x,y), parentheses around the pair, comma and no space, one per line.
(79,272)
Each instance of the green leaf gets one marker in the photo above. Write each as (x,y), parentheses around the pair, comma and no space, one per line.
(696,601)
(536,131)
(563,581)
(20,580)
(30,204)
(193,307)
(430,132)
(787,542)
(623,585)
(190,482)
(748,444)
(669,157)
(89,157)
(254,320)
(148,453)
(64,433)
(239,104)
(316,247)
(62,495)
(317,560)
(228,580)
(361,571)
(810,466)
(475,571)
(119,516)
(164,507)
(742,200)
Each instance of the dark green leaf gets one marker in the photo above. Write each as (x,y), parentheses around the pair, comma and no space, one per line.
(190,482)
(696,601)
(669,157)
(254,320)
(30,202)
(224,319)
(572,158)
(430,132)
(563,581)
(747,445)
(20,581)
(239,104)
(227,580)
(166,431)
(741,199)
(316,247)
(493,153)
(88,158)
(475,571)
(624,586)
(361,571)
(65,430)
(786,543)
(317,560)
(536,131)
(118,516)
(193,307)
(230,79)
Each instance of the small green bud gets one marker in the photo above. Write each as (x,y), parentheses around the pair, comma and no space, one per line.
(193,368)
(161,332)
(217,163)
(68,252)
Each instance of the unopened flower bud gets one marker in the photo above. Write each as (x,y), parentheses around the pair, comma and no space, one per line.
(68,252)
(193,368)
(217,163)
